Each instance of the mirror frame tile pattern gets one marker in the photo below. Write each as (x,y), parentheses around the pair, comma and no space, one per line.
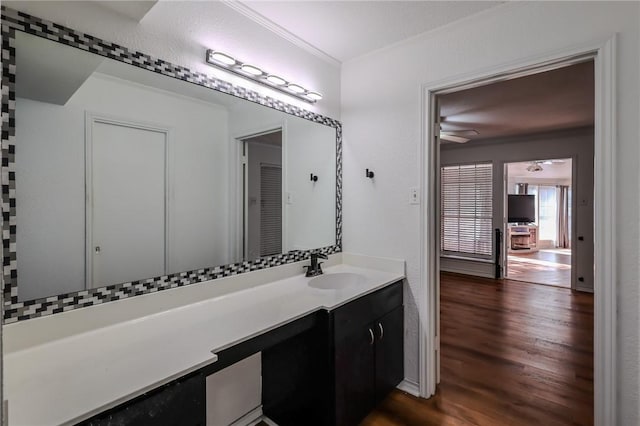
(13,310)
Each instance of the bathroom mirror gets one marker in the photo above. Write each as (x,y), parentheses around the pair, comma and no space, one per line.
(123,174)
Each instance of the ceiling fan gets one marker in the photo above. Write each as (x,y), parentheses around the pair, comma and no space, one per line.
(536,166)
(458,136)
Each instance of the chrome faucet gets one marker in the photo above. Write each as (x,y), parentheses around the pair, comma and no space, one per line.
(314,269)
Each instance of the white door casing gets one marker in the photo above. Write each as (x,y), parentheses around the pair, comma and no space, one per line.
(237,202)
(605,324)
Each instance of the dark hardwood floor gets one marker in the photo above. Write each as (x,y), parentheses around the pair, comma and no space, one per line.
(513,353)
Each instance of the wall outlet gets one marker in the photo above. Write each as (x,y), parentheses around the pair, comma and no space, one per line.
(414,196)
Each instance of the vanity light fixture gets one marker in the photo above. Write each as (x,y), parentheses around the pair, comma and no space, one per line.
(314,96)
(278,81)
(253,73)
(222,58)
(296,88)
(250,69)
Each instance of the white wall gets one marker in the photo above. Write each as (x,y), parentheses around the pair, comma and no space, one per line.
(311,215)
(181,32)
(50,205)
(381,114)
(576,144)
(50,171)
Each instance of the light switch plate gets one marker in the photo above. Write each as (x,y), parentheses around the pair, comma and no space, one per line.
(414,196)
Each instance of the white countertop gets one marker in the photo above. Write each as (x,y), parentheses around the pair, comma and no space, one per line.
(72,378)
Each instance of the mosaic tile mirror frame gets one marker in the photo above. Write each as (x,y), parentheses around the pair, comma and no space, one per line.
(15,310)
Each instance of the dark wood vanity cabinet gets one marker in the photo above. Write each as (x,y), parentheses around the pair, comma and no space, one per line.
(389,355)
(328,368)
(181,402)
(368,353)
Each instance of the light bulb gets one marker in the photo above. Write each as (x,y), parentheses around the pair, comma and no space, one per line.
(296,89)
(314,96)
(222,57)
(274,79)
(250,69)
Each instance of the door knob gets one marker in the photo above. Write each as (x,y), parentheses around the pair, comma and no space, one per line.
(97,249)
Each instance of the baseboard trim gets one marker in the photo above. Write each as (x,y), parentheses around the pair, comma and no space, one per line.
(585,289)
(477,268)
(467,272)
(409,387)
(265,419)
(251,418)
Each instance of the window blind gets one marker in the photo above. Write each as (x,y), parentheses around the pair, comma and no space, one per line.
(466,209)
(270,209)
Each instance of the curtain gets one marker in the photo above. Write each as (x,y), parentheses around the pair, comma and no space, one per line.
(522,189)
(562,213)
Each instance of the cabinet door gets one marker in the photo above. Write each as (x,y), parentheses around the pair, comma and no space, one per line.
(354,376)
(181,403)
(389,353)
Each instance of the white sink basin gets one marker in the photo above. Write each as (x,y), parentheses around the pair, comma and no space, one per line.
(336,281)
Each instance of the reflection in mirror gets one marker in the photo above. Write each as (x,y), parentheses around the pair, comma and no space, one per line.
(262,180)
(123,174)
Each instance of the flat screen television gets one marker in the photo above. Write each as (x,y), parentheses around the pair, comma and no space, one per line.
(521,208)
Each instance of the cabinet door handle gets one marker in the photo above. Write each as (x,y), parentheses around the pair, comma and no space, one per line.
(372,339)
(381,330)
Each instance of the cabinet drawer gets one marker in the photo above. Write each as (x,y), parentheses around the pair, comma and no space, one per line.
(366,309)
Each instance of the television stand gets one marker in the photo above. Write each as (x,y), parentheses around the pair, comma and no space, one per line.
(522,238)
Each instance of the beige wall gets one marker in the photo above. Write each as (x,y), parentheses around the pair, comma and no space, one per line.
(575,144)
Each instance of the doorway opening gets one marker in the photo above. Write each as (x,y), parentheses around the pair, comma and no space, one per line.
(539,230)
(262,194)
(480,130)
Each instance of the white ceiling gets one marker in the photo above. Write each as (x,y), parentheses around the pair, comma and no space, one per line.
(272,139)
(335,31)
(560,172)
(49,71)
(344,30)
(132,9)
(52,72)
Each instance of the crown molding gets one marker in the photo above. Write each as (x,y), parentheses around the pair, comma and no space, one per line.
(280,31)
